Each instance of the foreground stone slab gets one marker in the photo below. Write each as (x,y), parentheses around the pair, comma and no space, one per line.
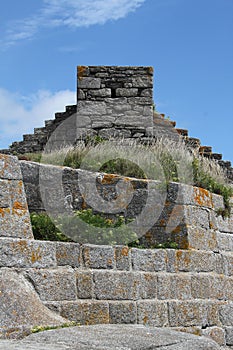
(20,306)
(111,337)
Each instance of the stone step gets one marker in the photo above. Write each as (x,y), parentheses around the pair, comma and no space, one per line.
(71,109)
(225,164)
(205,150)
(193,142)
(49,122)
(39,131)
(182,132)
(216,156)
(29,137)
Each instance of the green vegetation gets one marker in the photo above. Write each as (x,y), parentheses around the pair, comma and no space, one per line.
(38,329)
(85,226)
(44,228)
(205,180)
(162,160)
(165,245)
(99,230)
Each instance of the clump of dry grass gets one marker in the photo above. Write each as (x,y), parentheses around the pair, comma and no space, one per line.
(160,159)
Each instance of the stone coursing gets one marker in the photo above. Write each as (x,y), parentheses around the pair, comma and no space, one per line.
(185,289)
(112,102)
(181,213)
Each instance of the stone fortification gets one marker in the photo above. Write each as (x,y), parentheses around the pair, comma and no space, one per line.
(187,215)
(112,102)
(189,289)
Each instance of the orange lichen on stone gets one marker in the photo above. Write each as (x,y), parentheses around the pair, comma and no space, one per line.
(36,255)
(19,212)
(81,71)
(18,205)
(203,197)
(125,251)
(109,262)
(62,254)
(184,257)
(3,211)
(109,179)
(151,70)
(21,246)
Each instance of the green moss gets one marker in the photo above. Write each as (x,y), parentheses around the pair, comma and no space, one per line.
(38,329)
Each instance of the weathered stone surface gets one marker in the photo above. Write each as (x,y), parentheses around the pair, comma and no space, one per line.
(215,333)
(98,257)
(68,254)
(152,313)
(228,263)
(126,92)
(22,253)
(174,286)
(133,120)
(20,305)
(9,168)
(14,215)
(54,285)
(86,312)
(87,108)
(122,257)
(148,285)
(111,337)
(85,284)
(226,314)
(149,260)
(116,285)
(100,93)
(187,313)
(122,312)
(89,83)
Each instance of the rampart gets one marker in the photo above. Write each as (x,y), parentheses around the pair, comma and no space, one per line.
(112,102)
(187,289)
(50,283)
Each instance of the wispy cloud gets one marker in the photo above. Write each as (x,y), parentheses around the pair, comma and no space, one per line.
(19,114)
(68,13)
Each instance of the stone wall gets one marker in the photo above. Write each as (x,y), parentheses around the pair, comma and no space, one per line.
(189,289)
(14,215)
(112,102)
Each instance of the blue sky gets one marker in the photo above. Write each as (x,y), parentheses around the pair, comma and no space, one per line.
(189,43)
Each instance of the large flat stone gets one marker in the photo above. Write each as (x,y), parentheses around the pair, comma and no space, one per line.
(20,306)
(111,337)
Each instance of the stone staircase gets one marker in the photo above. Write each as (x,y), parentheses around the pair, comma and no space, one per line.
(34,143)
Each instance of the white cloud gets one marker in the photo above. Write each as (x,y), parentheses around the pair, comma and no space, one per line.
(69,13)
(20,115)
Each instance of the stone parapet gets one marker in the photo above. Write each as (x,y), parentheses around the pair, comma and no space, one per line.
(181,213)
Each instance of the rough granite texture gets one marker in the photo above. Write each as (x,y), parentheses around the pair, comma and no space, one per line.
(189,289)
(111,337)
(14,216)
